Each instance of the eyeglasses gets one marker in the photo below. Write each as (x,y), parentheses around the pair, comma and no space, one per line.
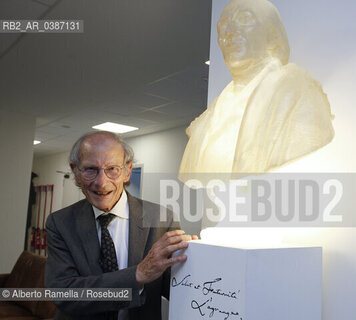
(90,173)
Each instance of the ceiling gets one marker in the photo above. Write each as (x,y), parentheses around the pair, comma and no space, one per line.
(138,62)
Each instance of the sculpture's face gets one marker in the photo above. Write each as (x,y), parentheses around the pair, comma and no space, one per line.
(242,37)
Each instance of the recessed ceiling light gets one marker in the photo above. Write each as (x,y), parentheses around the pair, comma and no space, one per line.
(36,142)
(207,62)
(114,127)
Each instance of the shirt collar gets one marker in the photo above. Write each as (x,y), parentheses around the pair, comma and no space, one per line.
(120,208)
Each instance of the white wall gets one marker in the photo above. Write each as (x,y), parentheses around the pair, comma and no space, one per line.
(322,40)
(159,152)
(16,151)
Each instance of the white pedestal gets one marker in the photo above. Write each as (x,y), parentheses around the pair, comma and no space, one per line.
(219,282)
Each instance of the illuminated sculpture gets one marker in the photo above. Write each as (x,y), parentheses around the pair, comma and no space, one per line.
(271,113)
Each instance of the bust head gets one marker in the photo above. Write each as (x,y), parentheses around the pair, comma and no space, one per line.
(250,31)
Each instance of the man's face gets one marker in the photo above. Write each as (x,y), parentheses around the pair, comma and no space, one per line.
(102,152)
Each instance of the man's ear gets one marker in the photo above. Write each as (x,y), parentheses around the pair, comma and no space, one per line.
(127,171)
(72,166)
(75,171)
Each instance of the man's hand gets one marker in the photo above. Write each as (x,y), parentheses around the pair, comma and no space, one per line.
(159,258)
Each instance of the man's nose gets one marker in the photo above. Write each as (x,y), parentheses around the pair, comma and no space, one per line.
(101,178)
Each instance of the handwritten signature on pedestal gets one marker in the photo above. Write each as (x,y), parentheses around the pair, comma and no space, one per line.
(207,306)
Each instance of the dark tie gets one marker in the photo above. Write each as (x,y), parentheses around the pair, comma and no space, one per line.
(108,260)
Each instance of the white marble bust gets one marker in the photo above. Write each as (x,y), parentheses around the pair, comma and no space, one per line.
(271,113)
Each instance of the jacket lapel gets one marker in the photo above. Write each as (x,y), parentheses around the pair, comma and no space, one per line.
(86,228)
(137,232)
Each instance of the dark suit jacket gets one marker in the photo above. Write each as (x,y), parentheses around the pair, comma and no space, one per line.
(73,260)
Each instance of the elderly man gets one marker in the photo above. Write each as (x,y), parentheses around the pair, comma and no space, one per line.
(103,242)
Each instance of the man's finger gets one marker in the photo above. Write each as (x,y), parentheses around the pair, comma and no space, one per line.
(177,239)
(165,242)
(173,248)
(173,233)
(187,237)
(171,261)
